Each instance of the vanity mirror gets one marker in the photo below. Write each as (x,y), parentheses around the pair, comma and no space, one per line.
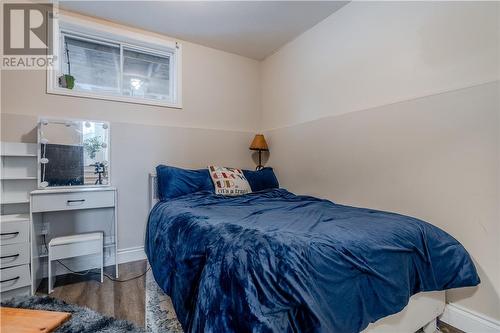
(73,153)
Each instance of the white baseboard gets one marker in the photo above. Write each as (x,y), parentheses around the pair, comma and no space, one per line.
(469,321)
(131,254)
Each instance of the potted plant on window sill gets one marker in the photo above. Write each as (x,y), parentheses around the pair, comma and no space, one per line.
(67,80)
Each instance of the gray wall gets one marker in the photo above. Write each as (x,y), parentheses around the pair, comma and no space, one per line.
(135,151)
(435,158)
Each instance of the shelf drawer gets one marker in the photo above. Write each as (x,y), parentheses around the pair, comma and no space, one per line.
(46,202)
(14,255)
(14,277)
(14,232)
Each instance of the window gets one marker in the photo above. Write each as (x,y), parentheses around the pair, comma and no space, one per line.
(115,66)
(95,66)
(145,75)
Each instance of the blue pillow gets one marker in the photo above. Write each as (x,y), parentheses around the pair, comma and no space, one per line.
(174,182)
(261,179)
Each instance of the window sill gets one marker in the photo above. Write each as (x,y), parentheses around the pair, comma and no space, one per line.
(123,99)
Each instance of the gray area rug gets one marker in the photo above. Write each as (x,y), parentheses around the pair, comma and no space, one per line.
(83,320)
(160,313)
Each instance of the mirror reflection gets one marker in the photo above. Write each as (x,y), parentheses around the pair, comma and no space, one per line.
(73,153)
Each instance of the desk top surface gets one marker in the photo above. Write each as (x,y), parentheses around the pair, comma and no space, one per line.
(73,189)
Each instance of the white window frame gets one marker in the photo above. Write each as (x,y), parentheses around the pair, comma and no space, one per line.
(93,31)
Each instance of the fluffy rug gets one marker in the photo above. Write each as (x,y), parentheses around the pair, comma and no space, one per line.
(82,319)
(160,313)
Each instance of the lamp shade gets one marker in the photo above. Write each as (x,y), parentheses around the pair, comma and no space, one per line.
(259,143)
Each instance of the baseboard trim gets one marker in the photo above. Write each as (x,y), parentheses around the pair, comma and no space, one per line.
(468,320)
(131,254)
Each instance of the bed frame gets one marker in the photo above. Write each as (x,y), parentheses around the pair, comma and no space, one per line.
(422,310)
(153,190)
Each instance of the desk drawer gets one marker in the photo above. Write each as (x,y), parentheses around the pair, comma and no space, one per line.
(47,202)
(14,232)
(14,277)
(14,255)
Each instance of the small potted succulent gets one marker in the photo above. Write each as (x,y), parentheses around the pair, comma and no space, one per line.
(67,80)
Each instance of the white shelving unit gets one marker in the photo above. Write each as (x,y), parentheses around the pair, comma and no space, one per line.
(18,178)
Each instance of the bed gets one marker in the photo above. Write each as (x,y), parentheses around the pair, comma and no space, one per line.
(273,261)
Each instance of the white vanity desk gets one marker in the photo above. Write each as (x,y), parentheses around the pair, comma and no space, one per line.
(63,211)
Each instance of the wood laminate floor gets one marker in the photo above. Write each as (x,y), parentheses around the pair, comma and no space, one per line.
(122,300)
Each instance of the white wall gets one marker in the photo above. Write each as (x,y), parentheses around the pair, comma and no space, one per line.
(376,53)
(221,98)
(395,106)
(220,91)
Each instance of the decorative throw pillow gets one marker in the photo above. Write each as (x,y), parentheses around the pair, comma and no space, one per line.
(229,181)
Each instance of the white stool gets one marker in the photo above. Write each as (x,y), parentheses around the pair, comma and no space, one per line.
(74,246)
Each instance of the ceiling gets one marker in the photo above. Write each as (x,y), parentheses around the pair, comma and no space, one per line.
(254,29)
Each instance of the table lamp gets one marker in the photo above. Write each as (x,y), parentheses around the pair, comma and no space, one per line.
(259,143)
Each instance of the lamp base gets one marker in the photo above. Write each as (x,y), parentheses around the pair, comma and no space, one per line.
(260,166)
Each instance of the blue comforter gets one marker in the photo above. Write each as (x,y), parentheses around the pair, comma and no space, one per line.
(273,261)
